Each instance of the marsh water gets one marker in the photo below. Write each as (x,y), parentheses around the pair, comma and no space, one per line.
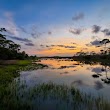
(92,78)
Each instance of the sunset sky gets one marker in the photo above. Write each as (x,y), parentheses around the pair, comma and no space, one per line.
(56,27)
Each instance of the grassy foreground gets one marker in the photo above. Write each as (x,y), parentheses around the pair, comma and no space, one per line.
(48,96)
(11,69)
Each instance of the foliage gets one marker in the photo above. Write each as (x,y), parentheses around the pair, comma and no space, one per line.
(9,49)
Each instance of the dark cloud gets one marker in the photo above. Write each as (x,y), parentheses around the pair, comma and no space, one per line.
(106,32)
(29,44)
(47,46)
(78,17)
(96,29)
(69,47)
(20,39)
(94,43)
(63,46)
(75,31)
(60,45)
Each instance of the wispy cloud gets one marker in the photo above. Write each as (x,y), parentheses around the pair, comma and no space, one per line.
(78,17)
(75,31)
(106,32)
(62,46)
(9,24)
(29,44)
(20,39)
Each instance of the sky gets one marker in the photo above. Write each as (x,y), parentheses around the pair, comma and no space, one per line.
(56,27)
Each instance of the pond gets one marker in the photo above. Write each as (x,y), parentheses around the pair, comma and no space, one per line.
(92,78)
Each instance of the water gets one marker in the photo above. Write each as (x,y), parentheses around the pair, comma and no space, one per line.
(90,78)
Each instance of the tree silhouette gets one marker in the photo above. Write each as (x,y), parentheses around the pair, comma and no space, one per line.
(105,42)
(9,49)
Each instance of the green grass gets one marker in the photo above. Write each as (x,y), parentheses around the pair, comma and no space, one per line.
(18,96)
(10,71)
(24,62)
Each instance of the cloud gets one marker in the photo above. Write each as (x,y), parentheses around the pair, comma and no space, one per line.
(29,44)
(96,29)
(9,24)
(63,46)
(106,32)
(78,17)
(20,39)
(75,31)
(23,29)
(69,46)
(66,46)
(94,43)
(49,32)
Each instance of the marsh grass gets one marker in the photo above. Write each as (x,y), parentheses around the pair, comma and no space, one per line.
(47,96)
(11,71)
(17,95)
(8,88)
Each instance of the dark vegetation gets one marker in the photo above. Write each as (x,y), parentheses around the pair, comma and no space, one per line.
(11,50)
(103,56)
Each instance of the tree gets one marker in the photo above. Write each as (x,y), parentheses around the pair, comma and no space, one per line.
(105,42)
(9,49)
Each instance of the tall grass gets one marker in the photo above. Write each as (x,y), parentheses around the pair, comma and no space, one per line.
(48,96)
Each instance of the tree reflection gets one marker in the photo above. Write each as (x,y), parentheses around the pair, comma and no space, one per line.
(106,79)
(105,70)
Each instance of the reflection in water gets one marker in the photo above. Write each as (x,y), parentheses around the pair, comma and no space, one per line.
(65,72)
(89,77)
(99,71)
(79,83)
(98,85)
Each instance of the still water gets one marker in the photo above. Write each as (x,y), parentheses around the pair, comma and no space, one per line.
(90,78)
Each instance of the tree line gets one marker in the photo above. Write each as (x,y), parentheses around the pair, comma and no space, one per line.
(104,51)
(9,49)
